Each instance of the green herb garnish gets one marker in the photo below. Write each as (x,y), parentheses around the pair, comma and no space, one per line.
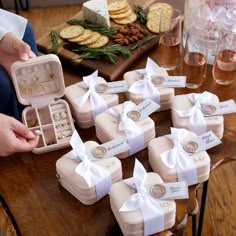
(54,41)
(95,27)
(141,14)
(108,51)
(138,45)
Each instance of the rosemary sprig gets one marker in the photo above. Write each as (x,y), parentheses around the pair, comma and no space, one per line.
(54,41)
(141,14)
(108,51)
(138,45)
(95,27)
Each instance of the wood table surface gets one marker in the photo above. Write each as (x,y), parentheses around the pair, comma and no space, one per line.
(41,206)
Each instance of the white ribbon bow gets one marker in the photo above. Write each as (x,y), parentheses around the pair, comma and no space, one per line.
(133,133)
(98,104)
(177,158)
(196,121)
(87,169)
(145,87)
(152,213)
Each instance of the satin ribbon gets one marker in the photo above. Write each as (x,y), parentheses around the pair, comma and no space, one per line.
(87,169)
(134,134)
(177,158)
(152,213)
(98,104)
(145,87)
(196,120)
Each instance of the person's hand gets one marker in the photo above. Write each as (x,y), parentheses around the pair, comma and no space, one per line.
(15,136)
(13,49)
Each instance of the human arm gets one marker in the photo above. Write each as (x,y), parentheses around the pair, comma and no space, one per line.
(15,137)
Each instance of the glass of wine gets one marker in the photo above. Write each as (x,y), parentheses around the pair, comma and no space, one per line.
(224,67)
(194,65)
(170,43)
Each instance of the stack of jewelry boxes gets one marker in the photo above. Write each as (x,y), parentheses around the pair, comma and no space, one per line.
(128,209)
(192,112)
(127,123)
(146,83)
(74,181)
(80,97)
(173,158)
(39,84)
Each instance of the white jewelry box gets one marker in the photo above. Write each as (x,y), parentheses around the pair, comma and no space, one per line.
(132,222)
(198,172)
(166,94)
(83,115)
(108,128)
(76,184)
(182,103)
(39,85)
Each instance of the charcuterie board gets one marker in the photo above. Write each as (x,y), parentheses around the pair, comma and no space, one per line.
(108,70)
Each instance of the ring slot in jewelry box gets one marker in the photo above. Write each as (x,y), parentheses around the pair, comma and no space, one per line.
(39,84)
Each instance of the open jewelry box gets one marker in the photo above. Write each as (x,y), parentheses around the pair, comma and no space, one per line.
(39,84)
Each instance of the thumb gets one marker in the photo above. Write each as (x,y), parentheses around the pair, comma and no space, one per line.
(21,130)
(24,51)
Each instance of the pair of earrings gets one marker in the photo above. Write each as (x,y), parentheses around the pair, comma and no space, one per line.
(60,115)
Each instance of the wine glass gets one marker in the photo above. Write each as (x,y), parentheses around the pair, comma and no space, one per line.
(224,67)
(195,58)
(170,42)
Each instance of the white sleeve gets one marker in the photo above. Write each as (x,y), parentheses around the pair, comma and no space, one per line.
(11,22)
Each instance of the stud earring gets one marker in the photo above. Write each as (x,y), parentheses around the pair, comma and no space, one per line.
(61,136)
(57,116)
(63,114)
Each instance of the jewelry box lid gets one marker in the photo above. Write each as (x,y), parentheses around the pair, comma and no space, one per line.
(39,80)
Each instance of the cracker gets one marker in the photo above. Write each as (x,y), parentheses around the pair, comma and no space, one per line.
(159,19)
(127,20)
(92,39)
(117,5)
(153,26)
(154,14)
(121,15)
(121,10)
(71,31)
(102,41)
(159,5)
(85,35)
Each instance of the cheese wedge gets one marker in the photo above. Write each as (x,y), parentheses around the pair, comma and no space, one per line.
(96,11)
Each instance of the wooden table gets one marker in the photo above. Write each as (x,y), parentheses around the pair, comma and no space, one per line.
(41,206)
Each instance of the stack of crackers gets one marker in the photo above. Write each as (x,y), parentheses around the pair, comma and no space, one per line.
(159,17)
(86,37)
(121,12)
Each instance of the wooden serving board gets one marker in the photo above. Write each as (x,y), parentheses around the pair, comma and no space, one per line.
(106,69)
